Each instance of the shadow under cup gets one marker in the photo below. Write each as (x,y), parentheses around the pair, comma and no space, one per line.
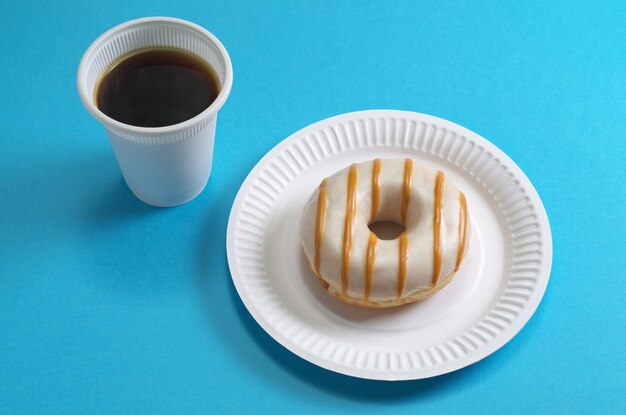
(163,166)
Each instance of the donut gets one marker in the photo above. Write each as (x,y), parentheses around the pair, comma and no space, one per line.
(356,266)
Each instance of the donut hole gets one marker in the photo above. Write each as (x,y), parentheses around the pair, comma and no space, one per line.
(386,229)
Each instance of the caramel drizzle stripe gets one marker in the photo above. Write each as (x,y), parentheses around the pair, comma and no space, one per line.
(372,241)
(370,255)
(403,240)
(319,224)
(406,189)
(437,217)
(347,227)
(375,188)
(403,256)
(462,230)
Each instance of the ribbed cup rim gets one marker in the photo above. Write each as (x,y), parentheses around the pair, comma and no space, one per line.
(86,96)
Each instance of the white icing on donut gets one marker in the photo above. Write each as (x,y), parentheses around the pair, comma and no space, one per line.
(344,252)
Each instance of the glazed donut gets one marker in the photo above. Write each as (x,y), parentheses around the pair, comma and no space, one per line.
(357,267)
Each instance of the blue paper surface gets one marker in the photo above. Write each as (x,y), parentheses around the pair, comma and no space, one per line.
(108,305)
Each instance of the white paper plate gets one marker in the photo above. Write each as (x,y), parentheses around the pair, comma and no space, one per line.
(497,289)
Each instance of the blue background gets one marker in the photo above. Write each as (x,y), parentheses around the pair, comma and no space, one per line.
(108,305)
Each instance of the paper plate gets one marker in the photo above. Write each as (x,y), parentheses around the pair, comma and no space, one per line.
(495,292)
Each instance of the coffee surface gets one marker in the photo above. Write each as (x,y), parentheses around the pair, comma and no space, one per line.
(156,88)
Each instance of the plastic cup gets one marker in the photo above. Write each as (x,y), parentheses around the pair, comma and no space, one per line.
(162,166)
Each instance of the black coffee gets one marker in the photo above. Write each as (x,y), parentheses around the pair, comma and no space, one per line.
(156,87)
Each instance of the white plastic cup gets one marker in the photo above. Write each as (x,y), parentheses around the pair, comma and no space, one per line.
(163,166)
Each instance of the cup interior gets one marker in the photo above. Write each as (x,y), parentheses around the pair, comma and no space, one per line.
(150,33)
